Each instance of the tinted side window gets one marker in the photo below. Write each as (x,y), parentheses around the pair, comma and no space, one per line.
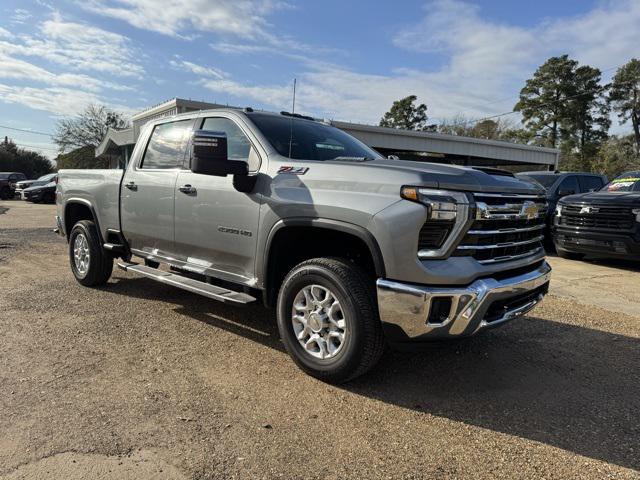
(167,145)
(569,183)
(238,145)
(591,184)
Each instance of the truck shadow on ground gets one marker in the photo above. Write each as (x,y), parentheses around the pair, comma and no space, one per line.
(563,385)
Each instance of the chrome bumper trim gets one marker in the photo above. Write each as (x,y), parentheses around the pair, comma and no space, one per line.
(404,308)
(501,245)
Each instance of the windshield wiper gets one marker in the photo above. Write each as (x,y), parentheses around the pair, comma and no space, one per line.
(353,159)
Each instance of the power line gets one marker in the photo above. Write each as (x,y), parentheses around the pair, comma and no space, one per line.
(37,148)
(27,131)
(23,145)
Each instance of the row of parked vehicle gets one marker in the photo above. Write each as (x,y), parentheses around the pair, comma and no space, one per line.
(588,215)
(15,184)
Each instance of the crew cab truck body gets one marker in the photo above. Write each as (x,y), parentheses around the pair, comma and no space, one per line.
(603,223)
(352,249)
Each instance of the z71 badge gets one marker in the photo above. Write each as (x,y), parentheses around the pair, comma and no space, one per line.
(293,170)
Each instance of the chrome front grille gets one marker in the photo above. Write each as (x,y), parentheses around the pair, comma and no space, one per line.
(506,227)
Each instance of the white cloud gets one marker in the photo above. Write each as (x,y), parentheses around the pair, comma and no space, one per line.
(13,68)
(4,33)
(57,100)
(78,46)
(487,63)
(189,19)
(244,18)
(61,101)
(199,70)
(72,49)
(20,16)
(240,48)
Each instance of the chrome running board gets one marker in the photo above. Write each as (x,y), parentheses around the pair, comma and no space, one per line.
(189,284)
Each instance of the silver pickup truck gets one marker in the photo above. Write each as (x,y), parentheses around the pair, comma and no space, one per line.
(353,250)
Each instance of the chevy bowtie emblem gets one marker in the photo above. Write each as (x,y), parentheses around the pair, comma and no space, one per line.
(529,210)
(589,210)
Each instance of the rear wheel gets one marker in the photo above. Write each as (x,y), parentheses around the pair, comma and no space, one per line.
(90,264)
(328,319)
(5,194)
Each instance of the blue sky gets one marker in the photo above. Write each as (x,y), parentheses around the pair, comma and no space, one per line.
(351,58)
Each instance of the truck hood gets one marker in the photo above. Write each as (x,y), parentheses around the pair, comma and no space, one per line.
(604,197)
(449,177)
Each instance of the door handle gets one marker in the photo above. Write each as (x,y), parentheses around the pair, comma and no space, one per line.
(188,189)
(131,186)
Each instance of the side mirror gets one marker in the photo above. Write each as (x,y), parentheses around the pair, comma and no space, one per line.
(564,193)
(209,155)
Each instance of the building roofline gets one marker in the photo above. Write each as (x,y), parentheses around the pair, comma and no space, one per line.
(115,137)
(441,136)
(177,102)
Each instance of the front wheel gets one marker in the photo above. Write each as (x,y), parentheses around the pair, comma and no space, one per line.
(90,264)
(328,319)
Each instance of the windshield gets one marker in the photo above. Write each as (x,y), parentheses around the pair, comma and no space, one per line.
(545,180)
(309,140)
(4,176)
(627,182)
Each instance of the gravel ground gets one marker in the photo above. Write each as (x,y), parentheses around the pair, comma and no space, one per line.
(139,380)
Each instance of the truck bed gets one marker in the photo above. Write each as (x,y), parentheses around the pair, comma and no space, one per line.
(98,188)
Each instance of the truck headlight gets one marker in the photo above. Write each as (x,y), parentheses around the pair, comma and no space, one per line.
(637,212)
(441,204)
(447,213)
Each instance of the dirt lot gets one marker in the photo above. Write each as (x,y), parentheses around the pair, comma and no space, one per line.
(139,380)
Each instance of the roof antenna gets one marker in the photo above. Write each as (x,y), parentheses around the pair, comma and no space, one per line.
(293,110)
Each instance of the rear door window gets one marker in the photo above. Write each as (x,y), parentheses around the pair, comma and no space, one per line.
(167,145)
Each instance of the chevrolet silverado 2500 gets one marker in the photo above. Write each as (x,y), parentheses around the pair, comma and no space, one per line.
(352,249)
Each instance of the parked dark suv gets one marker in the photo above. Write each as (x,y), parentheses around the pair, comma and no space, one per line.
(561,184)
(8,182)
(605,223)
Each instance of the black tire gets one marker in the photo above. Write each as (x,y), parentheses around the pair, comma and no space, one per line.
(569,255)
(354,290)
(100,263)
(5,194)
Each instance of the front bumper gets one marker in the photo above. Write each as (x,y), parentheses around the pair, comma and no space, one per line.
(611,244)
(420,313)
